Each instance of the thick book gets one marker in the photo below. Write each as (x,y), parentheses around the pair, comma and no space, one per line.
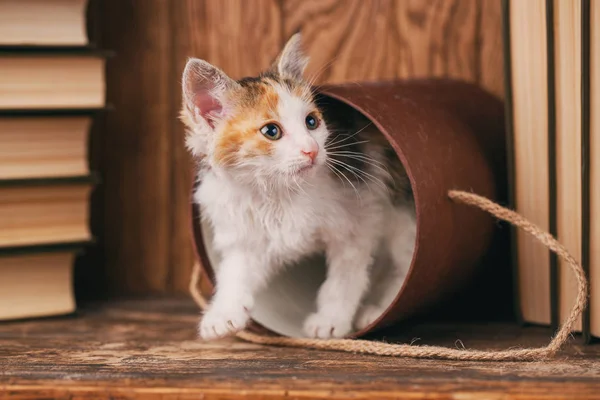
(553,92)
(593,245)
(43,23)
(568,141)
(530,158)
(44,147)
(52,81)
(44,212)
(36,284)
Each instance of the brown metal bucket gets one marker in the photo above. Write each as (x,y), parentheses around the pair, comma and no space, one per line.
(448,135)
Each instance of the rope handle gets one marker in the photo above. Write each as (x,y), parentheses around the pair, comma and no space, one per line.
(438,352)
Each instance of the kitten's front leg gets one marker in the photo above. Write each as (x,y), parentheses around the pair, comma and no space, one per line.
(238,278)
(340,295)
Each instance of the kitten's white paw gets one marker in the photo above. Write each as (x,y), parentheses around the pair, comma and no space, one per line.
(366,315)
(323,326)
(219,323)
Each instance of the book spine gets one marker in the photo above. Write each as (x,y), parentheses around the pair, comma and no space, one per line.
(510,151)
(552,192)
(54,112)
(91,179)
(93,49)
(585,155)
(76,247)
(54,51)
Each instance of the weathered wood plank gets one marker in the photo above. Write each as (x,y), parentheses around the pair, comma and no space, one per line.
(148,349)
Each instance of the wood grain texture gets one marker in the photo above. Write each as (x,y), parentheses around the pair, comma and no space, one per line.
(387,39)
(187,16)
(490,55)
(148,349)
(242,37)
(137,145)
(148,171)
(220,32)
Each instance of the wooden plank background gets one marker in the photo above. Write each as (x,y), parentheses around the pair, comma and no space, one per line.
(146,170)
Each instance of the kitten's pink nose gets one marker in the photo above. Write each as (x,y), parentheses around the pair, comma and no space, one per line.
(312,154)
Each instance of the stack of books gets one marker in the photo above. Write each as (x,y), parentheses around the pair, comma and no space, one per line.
(553,103)
(52,83)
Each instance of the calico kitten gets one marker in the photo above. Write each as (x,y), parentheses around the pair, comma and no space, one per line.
(283,175)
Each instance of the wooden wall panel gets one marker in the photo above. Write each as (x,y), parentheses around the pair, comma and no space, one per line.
(220,32)
(383,39)
(491,58)
(188,17)
(242,37)
(147,170)
(136,150)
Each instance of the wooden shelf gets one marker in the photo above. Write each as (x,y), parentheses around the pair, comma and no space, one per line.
(148,349)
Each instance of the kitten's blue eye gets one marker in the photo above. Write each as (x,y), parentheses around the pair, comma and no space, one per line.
(271,131)
(311,121)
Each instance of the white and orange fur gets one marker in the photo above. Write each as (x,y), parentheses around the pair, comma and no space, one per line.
(314,189)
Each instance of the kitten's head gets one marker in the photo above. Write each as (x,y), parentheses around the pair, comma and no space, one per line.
(264,128)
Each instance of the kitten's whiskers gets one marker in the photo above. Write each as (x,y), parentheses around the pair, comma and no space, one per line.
(345,166)
(352,135)
(365,159)
(350,168)
(338,173)
(294,178)
(346,145)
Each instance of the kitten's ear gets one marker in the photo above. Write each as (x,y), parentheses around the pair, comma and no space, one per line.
(292,61)
(205,89)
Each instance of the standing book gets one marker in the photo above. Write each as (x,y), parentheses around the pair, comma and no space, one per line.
(567,40)
(553,93)
(594,168)
(527,21)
